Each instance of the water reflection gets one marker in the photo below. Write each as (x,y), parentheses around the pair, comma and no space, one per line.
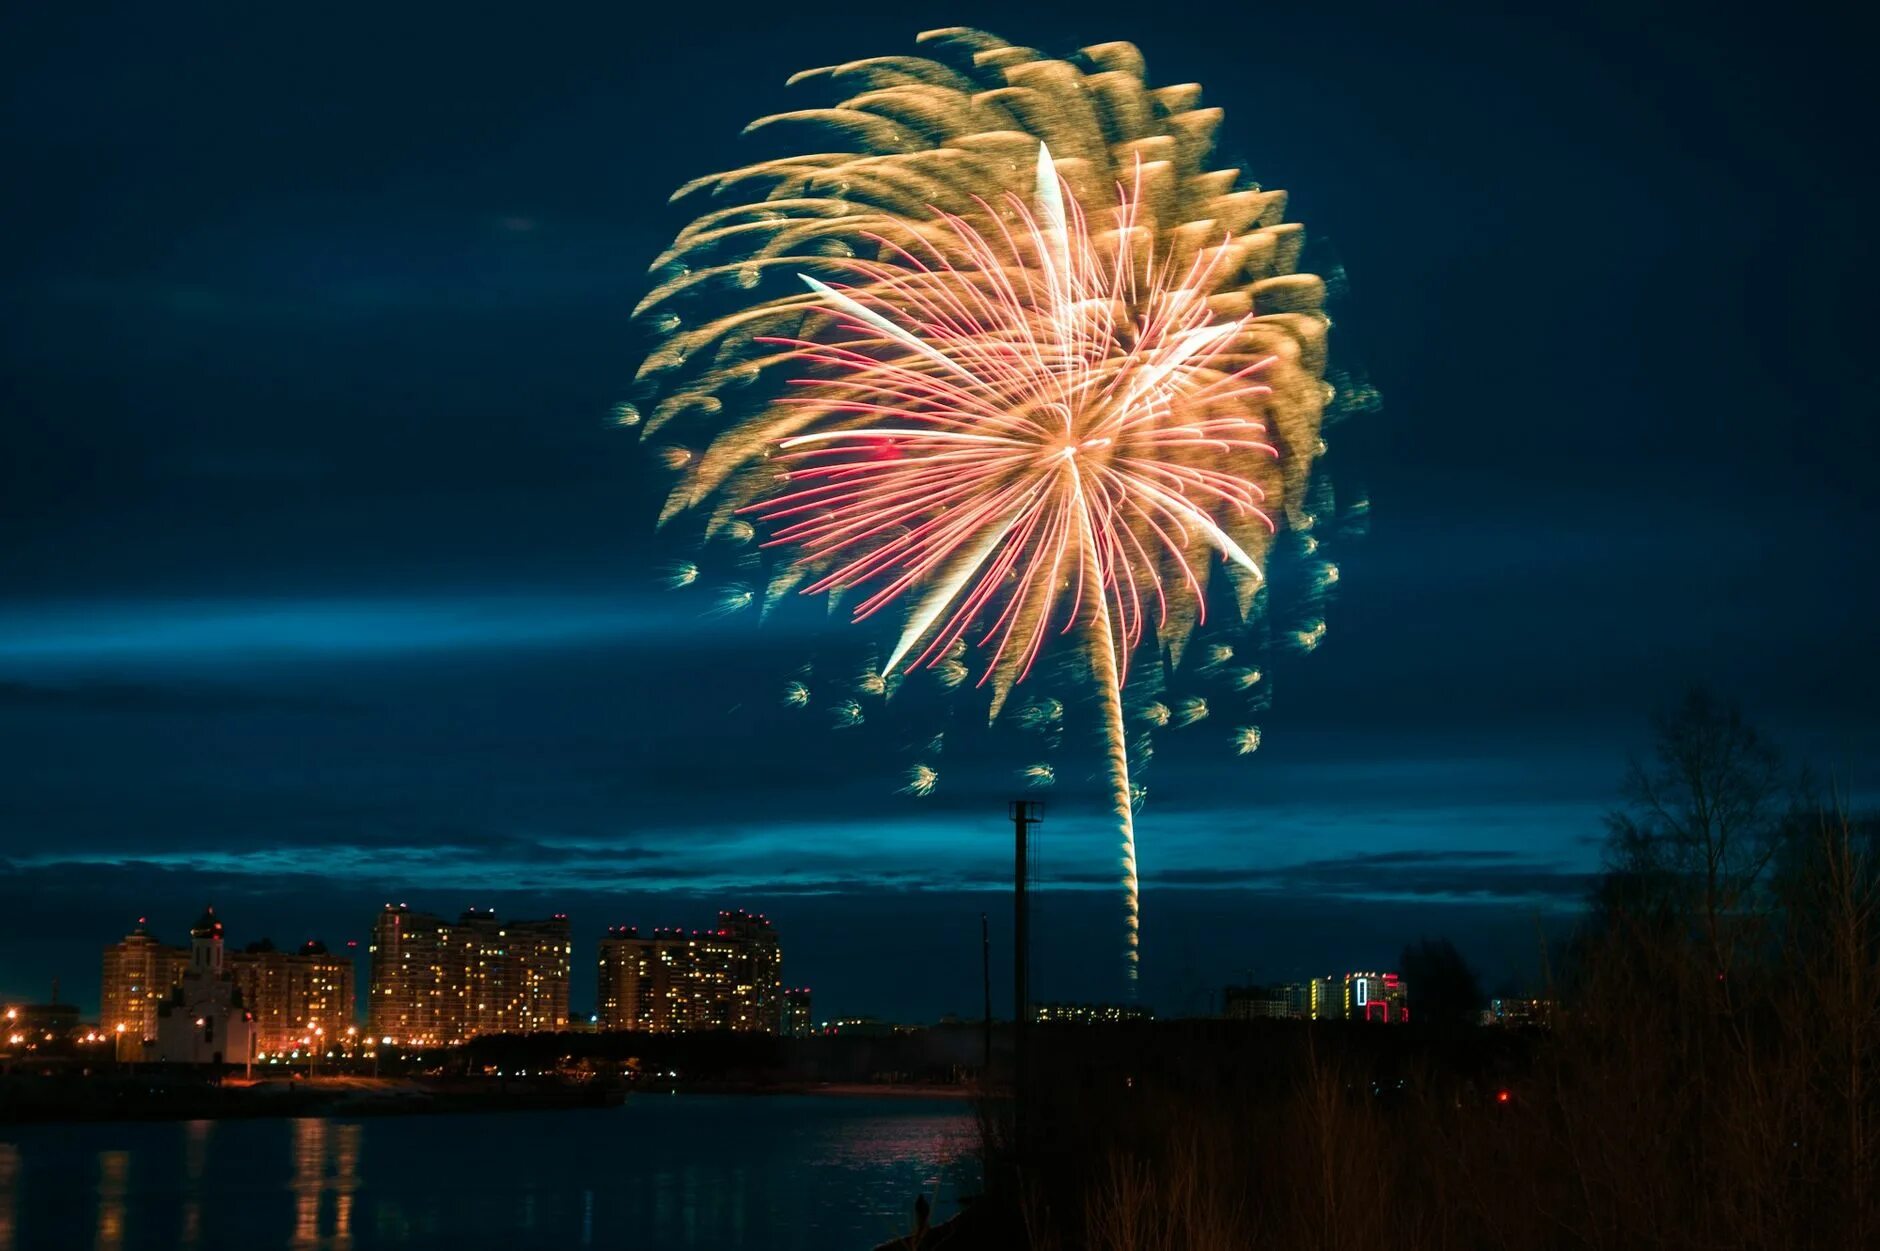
(345,1184)
(933,1141)
(9,1193)
(113,1171)
(316,1142)
(195,1162)
(675,1174)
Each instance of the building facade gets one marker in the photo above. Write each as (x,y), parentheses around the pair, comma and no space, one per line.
(519,979)
(756,965)
(297,998)
(798,1020)
(1257,1003)
(204,1020)
(1376,997)
(411,956)
(1339,997)
(139,973)
(438,982)
(675,981)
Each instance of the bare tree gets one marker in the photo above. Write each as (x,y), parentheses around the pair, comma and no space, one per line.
(1704,815)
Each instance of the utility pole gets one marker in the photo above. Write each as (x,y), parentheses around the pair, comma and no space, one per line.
(985,980)
(1025,814)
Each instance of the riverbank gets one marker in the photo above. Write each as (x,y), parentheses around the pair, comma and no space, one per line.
(835,1090)
(166,1097)
(172,1096)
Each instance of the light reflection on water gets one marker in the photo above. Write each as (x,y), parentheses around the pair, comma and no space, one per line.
(662,1172)
(326,1161)
(113,1184)
(195,1172)
(9,1192)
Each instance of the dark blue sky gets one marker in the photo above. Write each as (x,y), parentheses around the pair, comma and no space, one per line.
(325,580)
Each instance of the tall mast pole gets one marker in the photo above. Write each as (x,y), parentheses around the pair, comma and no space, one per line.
(985,981)
(1024,816)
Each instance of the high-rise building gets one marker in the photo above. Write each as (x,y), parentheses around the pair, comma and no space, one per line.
(297,998)
(756,972)
(621,969)
(1254,1003)
(797,1020)
(1375,997)
(515,974)
(678,980)
(139,972)
(411,977)
(668,982)
(544,957)
(440,982)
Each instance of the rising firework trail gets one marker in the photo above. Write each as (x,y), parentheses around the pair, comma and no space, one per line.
(1042,377)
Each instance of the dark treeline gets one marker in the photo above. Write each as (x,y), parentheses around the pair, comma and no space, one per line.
(1709,1081)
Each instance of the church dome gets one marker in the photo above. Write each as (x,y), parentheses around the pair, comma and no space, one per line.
(206,926)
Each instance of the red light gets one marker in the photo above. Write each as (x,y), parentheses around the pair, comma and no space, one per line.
(1502,1096)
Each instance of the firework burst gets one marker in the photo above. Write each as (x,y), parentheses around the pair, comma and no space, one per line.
(1018,401)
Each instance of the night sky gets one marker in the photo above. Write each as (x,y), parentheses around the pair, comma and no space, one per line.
(325,579)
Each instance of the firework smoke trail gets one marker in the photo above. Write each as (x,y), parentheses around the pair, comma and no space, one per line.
(971,405)
(1109,680)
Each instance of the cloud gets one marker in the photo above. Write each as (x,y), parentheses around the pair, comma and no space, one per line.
(211,630)
(483,863)
(468,862)
(1498,875)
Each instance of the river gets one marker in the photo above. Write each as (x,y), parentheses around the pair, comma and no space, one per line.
(663,1171)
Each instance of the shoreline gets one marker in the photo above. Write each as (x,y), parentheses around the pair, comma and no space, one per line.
(846,1090)
(342,1098)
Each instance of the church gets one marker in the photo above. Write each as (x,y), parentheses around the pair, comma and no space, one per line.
(204,1020)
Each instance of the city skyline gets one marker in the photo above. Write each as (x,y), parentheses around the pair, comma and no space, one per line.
(290,992)
(371,602)
(140,967)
